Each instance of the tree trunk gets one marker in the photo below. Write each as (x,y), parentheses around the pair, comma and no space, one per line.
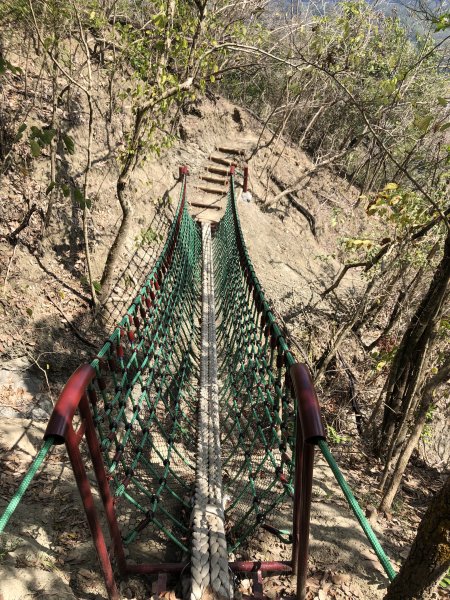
(429,557)
(301,209)
(118,244)
(54,124)
(407,372)
(433,382)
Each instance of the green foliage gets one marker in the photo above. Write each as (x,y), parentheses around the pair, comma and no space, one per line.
(401,207)
(382,359)
(445,583)
(95,284)
(394,79)
(5,66)
(39,138)
(355,243)
(69,144)
(20,132)
(79,198)
(334,437)
(427,433)
(442,22)
(337,216)
(147,237)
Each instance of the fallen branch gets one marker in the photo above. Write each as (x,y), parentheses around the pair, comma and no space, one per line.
(367,264)
(12,237)
(79,335)
(295,186)
(373,261)
(301,209)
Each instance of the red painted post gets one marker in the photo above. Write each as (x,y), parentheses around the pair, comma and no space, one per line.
(84,488)
(153,569)
(239,566)
(249,566)
(60,421)
(299,452)
(257,587)
(183,173)
(105,492)
(245,185)
(305,513)
(309,430)
(60,426)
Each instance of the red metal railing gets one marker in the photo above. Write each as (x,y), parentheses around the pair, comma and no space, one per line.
(309,430)
(245,184)
(73,398)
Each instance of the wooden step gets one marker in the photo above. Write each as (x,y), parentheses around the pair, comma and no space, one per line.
(213,179)
(204,188)
(217,170)
(229,150)
(202,205)
(220,160)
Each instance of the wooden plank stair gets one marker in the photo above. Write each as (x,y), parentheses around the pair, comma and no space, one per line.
(203,205)
(229,150)
(208,203)
(217,170)
(220,160)
(213,179)
(210,190)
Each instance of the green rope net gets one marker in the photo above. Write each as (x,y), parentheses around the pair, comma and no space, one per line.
(257,409)
(144,398)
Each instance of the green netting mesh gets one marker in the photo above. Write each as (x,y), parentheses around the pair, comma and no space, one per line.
(256,405)
(144,399)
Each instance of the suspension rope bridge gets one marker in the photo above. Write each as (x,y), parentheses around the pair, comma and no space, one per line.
(198,422)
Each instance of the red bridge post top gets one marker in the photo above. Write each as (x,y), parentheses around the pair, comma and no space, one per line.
(245,184)
(307,404)
(232,169)
(183,170)
(64,410)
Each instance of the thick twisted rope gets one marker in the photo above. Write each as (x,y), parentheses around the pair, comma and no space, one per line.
(220,579)
(209,563)
(200,531)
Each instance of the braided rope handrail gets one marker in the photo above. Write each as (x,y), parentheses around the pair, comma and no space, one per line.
(32,470)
